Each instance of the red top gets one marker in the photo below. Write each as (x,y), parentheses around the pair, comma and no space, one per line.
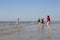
(48,19)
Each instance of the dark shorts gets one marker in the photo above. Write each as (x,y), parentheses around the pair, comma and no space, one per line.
(42,22)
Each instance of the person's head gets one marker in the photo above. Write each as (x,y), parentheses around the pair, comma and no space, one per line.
(39,20)
(17,18)
(42,19)
(47,16)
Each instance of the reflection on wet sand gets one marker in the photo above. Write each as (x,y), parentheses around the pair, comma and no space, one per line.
(2,29)
(42,34)
(17,28)
(18,35)
(7,33)
(18,31)
(48,35)
(49,28)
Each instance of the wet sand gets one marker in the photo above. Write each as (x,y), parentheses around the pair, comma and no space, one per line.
(30,32)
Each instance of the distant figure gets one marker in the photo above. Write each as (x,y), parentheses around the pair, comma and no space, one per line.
(17,21)
(42,22)
(39,20)
(17,25)
(48,20)
(39,24)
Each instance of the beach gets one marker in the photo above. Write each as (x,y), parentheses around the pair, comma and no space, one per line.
(29,32)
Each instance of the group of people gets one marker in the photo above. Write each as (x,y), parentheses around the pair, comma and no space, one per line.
(42,21)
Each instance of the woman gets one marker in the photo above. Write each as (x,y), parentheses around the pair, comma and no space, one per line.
(48,21)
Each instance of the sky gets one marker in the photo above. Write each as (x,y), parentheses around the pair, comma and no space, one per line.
(29,10)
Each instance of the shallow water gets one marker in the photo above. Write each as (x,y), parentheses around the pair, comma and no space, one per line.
(29,32)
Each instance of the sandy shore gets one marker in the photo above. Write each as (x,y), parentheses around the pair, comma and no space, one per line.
(30,33)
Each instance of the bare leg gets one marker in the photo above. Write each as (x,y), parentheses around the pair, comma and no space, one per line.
(48,26)
(48,35)
(17,27)
(39,27)
(42,27)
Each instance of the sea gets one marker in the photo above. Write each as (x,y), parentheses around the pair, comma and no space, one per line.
(28,30)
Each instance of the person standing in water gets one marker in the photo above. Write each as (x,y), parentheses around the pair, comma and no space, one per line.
(48,21)
(39,20)
(17,24)
(39,24)
(42,23)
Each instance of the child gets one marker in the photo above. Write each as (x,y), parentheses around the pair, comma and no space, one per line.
(39,24)
(42,22)
(17,21)
(39,20)
(17,25)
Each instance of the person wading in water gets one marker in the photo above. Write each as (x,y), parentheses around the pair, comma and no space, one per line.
(48,22)
(42,24)
(39,24)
